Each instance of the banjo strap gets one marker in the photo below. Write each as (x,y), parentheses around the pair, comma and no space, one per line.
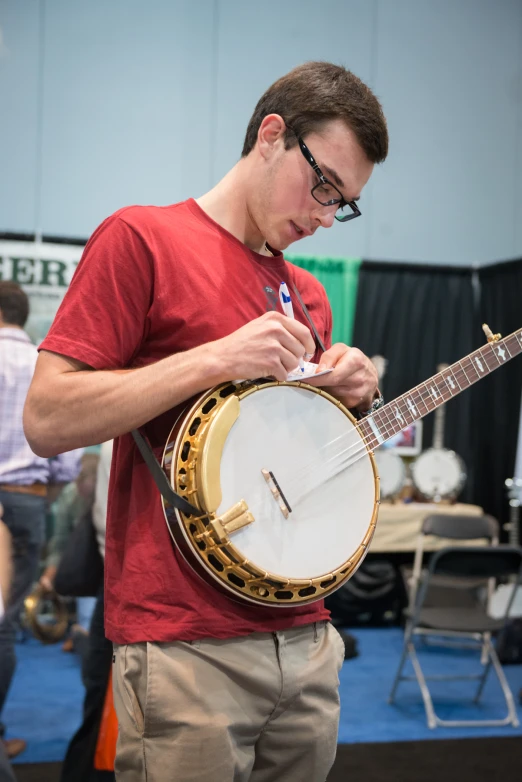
(160,479)
(318,341)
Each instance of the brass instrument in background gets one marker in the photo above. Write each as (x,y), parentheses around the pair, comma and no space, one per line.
(47,633)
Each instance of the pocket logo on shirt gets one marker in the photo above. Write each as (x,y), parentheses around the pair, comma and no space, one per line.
(271,298)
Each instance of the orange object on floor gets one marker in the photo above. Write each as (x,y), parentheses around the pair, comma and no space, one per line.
(108,734)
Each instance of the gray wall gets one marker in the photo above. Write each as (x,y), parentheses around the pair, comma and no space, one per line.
(110,102)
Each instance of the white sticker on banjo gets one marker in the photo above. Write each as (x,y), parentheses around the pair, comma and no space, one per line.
(309,371)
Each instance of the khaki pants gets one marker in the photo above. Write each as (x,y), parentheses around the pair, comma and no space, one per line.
(263,708)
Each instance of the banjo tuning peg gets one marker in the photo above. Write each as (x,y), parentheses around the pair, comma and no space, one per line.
(489,334)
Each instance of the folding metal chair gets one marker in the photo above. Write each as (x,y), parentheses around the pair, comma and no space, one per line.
(475,564)
(452,527)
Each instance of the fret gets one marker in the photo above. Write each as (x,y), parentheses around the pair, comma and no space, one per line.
(405,411)
(419,397)
(453,382)
(434,391)
(369,437)
(399,417)
(391,423)
(412,408)
(480,364)
(492,350)
(464,371)
(473,367)
(448,383)
(382,425)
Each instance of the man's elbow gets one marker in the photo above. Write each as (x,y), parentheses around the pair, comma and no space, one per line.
(38,433)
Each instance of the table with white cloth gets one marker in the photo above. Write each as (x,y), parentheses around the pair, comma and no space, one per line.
(399,525)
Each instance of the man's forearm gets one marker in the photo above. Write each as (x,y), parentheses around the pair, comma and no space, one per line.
(81,407)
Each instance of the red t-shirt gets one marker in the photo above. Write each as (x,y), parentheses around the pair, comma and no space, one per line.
(154,281)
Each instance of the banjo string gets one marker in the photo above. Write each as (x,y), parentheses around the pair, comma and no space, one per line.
(315,467)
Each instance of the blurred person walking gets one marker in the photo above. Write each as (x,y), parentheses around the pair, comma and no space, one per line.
(78,765)
(6,773)
(27,481)
(73,503)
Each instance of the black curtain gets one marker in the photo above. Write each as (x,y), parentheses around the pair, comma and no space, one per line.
(498,409)
(418,317)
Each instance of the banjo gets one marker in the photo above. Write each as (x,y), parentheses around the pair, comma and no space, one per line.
(273,490)
(438,473)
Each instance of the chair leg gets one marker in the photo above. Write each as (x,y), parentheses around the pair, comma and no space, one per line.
(431,717)
(508,695)
(485,650)
(486,641)
(407,637)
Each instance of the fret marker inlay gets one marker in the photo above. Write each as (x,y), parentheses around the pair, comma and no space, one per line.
(433,392)
(478,362)
(502,353)
(450,382)
(398,416)
(376,431)
(412,407)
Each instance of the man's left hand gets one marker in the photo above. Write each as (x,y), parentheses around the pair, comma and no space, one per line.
(353,380)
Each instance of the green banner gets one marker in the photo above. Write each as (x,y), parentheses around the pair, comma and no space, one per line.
(340,277)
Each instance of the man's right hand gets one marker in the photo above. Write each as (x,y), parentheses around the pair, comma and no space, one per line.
(269,346)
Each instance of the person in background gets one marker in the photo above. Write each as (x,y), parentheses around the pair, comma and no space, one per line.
(27,481)
(78,765)
(6,774)
(74,501)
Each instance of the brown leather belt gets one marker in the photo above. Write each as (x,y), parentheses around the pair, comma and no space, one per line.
(37,489)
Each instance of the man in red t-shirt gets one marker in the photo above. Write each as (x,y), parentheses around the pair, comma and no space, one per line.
(166,303)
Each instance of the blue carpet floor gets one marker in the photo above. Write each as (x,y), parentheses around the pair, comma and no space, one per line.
(45,701)
(366,682)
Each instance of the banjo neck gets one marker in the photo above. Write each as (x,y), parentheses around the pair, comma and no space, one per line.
(393,417)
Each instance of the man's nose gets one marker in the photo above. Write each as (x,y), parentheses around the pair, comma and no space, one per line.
(325,217)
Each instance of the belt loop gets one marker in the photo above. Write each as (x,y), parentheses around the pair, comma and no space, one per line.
(316,635)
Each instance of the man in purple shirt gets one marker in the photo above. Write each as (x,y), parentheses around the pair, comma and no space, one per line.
(25,479)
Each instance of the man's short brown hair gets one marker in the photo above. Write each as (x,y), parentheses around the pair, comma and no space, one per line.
(14,304)
(316,93)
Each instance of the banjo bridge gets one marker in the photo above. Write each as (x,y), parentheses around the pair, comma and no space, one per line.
(277,494)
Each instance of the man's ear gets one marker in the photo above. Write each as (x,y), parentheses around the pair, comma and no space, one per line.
(270,134)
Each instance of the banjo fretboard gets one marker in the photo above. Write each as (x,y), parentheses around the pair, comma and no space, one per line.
(393,417)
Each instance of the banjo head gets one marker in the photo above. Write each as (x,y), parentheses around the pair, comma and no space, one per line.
(438,473)
(392,474)
(293,456)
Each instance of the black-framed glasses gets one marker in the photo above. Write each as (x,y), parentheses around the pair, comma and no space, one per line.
(325,192)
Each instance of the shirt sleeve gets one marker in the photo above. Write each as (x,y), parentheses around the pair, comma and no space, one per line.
(103,315)
(65,467)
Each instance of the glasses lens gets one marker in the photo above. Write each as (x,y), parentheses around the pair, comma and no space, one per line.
(345,213)
(326,194)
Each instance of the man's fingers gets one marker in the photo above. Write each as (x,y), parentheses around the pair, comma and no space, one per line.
(332,356)
(300,332)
